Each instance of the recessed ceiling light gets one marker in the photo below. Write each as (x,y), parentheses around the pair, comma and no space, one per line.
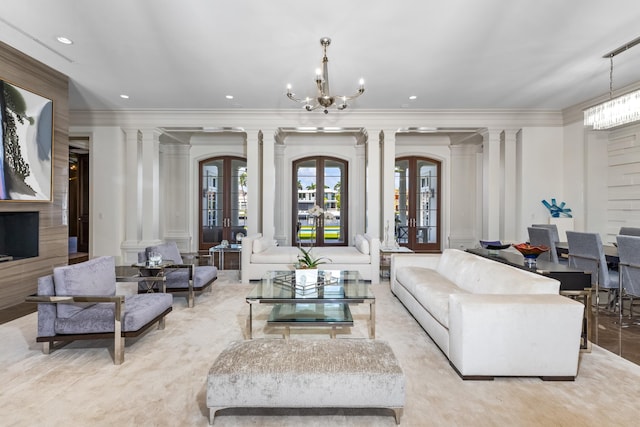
(229,96)
(412,97)
(64,40)
(123,96)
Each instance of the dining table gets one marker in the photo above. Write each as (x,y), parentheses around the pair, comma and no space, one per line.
(610,251)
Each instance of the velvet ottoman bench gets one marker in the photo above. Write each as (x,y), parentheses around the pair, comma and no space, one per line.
(276,373)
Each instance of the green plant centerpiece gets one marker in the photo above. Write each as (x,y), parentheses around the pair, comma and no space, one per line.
(306,260)
(307,268)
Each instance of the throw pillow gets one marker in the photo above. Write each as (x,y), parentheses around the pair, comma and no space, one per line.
(362,244)
(262,244)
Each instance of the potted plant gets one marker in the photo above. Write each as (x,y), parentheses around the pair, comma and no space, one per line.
(307,267)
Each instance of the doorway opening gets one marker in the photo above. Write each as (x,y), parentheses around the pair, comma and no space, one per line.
(78,200)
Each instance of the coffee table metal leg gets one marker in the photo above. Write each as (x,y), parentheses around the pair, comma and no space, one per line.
(250,325)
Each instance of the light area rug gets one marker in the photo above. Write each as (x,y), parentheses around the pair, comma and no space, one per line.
(163,379)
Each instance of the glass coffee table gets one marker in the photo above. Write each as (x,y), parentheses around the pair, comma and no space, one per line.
(324,305)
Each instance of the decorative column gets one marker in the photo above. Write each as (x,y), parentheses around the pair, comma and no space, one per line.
(174,197)
(132,203)
(359,190)
(491,185)
(509,224)
(388,153)
(465,208)
(254,181)
(272,198)
(276,191)
(150,186)
(373,188)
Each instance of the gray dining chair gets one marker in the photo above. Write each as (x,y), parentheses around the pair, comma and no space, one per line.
(629,231)
(543,236)
(586,253)
(629,268)
(555,236)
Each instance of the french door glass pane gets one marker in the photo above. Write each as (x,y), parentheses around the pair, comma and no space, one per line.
(426,219)
(306,196)
(333,226)
(212,201)
(401,180)
(238,198)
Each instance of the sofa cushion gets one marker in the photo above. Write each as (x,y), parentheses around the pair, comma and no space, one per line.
(276,255)
(341,255)
(180,278)
(362,244)
(430,289)
(94,277)
(434,297)
(99,318)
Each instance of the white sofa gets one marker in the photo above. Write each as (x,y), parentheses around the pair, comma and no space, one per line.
(260,255)
(488,318)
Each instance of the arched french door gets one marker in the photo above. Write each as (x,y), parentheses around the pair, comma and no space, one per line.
(417,204)
(320,205)
(223,200)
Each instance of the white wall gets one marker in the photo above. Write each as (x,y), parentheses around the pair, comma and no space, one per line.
(541,175)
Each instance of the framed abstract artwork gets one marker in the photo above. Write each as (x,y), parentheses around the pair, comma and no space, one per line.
(26,150)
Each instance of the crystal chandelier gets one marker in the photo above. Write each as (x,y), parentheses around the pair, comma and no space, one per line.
(324,99)
(617,111)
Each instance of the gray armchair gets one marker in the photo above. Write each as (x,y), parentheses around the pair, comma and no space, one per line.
(181,277)
(79,302)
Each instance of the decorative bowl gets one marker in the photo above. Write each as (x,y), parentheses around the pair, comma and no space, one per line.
(530,251)
(494,244)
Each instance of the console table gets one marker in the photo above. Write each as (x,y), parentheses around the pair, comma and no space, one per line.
(570,279)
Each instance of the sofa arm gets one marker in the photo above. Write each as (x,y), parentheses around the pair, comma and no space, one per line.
(245,255)
(374,250)
(514,335)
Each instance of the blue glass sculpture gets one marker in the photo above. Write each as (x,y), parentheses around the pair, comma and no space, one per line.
(557,211)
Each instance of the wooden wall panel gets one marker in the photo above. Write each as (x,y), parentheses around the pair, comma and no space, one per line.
(18,279)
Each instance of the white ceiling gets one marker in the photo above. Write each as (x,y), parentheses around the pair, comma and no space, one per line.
(451,54)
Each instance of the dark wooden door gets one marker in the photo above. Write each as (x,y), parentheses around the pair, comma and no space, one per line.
(79,199)
(417,204)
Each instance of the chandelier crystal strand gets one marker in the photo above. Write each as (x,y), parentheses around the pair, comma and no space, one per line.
(616,111)
(324,99)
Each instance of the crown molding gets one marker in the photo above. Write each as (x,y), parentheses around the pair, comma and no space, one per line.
(371,119)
